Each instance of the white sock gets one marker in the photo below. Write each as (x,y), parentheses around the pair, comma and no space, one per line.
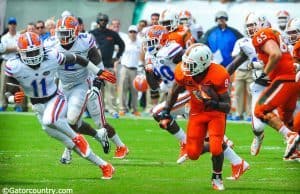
(92,157)
(284,130)
(230,155)
(181,136)
(116,139)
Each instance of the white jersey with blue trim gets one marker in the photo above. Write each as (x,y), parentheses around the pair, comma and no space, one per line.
(164,66)
(245,45)
(36,83)
(74,74)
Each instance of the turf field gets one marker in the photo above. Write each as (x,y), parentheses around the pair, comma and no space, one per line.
(30,159)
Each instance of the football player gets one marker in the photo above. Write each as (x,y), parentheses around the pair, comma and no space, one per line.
(75,81)
(178,33)
(73,78)
(34,70)
(160,76)
(207,114)
(278,71)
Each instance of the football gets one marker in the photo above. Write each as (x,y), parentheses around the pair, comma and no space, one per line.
(207,91)
(140,83)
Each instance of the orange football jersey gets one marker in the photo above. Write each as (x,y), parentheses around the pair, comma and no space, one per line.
(284,67)
(217,77)
(182,36)
(296,51)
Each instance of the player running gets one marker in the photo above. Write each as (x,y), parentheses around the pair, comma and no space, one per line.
(34,70)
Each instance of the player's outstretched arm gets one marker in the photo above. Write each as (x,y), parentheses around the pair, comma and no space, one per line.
(101,73)
(94,55)
(236,62)
(173,95)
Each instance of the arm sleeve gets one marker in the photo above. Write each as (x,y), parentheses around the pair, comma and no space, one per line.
(121,45)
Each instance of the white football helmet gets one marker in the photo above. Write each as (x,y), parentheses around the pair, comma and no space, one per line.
(196,59)
(169,19)
(282,19)
(253,23)
(293,30)
(185,18)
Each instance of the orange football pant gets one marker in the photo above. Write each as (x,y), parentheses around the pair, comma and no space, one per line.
(201,124)
(280,95)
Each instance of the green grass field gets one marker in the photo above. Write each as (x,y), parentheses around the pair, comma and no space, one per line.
(30,159)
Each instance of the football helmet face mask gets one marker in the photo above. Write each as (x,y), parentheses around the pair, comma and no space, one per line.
(251,24)
(30,49)
(282,18)
(293,30)
(67,30)
(185,18)
(156,37)
(169,19)
(196,59)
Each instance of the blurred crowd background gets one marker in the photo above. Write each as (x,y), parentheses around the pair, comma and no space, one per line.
(125,17)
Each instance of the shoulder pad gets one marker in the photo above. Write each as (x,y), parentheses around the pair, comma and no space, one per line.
(13,66)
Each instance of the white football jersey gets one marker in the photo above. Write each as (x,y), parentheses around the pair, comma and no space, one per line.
(164,66)
(73,74)
(245,45)
(36,83)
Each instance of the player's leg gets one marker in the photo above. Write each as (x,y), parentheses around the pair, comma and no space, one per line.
(77,143)
(76,99)
(257,124)
(54,116)
(107,169)
(216,131)
(196,133)
(279,94)
(95,106)
(238,165)
(173,128)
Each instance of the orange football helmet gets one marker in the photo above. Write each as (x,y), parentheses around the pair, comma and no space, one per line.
(185,18)
(67,30)
(156,37)
(30,48)
(140,83)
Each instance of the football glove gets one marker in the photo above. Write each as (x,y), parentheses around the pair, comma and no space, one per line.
(19,97)
(107,75)
(165,119)
(263,80)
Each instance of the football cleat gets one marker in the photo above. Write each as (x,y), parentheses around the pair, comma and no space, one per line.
(102,137)
(256,144)
(294,157)
(292,140)
(217,184)
(183,154)
(238,170)
(121,152)
(82,145)
(66,156)
(107,171)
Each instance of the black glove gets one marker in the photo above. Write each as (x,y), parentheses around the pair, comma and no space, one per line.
(211,104)
(98,83)
(165,119)
(263,80)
